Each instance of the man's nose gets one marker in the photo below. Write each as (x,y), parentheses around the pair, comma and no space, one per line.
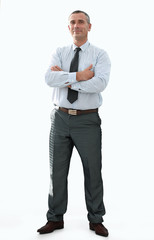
(76,25)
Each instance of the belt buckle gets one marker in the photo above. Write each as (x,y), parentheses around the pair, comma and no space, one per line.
(72,111)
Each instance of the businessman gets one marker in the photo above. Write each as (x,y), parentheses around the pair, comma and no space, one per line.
(78,74)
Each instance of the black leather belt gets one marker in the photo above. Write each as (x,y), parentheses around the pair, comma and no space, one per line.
(77,112)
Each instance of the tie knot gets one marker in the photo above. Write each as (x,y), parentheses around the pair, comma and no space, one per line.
(77,49)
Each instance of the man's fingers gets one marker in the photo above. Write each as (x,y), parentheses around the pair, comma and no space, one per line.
(59,69)
(56,68)
(90,67)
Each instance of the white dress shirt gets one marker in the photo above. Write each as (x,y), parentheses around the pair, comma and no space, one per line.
(89,92)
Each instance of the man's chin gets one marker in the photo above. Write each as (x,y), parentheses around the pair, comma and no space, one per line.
(77,37)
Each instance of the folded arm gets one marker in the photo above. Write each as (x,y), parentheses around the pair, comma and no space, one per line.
(84,75)
(58,78)
(100,79)
(85,81)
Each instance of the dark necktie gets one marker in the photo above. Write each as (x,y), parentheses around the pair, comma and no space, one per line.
(72,94)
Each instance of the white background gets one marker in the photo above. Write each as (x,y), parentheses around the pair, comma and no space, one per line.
(30,30)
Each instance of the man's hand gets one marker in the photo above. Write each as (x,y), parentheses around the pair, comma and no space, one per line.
(85,74)
(56,68)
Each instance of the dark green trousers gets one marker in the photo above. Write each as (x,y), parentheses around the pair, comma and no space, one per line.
(83,132)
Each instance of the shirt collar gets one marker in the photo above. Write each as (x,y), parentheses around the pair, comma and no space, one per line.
(83,47)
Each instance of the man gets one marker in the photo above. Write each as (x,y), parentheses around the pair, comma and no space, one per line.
(78,74)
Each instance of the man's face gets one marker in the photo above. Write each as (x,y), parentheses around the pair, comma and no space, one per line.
(78,26)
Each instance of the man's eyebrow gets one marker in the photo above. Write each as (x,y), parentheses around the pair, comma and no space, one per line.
(77,20)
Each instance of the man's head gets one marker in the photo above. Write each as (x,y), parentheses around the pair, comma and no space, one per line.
(79,25)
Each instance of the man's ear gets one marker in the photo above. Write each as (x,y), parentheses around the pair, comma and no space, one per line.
(90,25)
(69,27)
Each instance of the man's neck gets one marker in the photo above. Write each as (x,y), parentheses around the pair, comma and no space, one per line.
(79,43)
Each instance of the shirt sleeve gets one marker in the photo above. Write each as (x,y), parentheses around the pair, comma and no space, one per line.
(101,76)
(59,78)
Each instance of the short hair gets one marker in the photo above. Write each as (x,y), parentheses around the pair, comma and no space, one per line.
(79,11)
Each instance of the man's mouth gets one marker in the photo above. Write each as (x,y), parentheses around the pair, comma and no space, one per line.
(77,31)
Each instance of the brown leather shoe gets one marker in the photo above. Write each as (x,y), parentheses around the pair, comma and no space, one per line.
(50,227)
(99,229)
